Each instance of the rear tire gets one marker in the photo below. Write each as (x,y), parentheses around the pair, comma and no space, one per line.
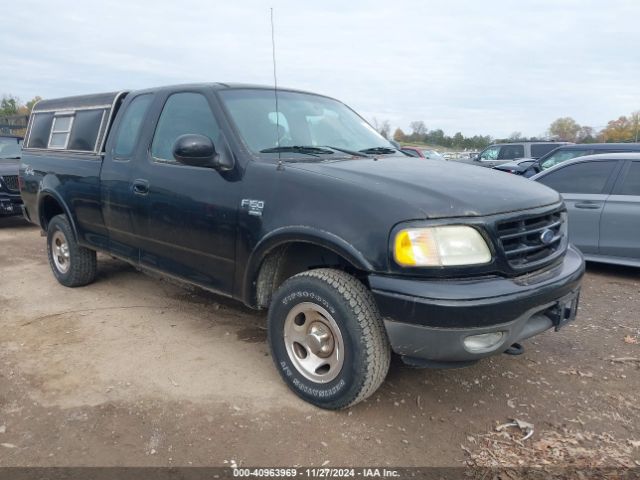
(327,338)
(72,265)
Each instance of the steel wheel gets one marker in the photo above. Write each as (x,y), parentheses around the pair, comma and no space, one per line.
(314,342)
(60,251)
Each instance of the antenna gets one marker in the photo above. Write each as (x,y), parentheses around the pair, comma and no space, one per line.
(275,85)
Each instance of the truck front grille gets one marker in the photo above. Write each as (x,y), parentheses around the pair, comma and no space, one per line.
(11,181)
(531,241)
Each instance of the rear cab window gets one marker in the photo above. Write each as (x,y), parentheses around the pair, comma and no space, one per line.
(130,124)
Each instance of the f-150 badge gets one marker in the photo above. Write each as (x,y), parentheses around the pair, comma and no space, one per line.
(254,207)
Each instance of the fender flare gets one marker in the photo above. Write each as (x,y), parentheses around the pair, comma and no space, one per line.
(297,234)
(48,192)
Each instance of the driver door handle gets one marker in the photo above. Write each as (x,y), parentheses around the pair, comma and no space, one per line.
(588,205)
(140,187)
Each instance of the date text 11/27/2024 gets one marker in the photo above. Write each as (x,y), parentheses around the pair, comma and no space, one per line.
(316,472)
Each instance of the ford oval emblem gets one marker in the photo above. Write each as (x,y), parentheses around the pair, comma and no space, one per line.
(547,236)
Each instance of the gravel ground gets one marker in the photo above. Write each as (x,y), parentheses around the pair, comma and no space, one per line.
(134,370)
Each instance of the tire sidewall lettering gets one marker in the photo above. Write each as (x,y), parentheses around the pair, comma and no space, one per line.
(296,380)
(318,392)
(305,295)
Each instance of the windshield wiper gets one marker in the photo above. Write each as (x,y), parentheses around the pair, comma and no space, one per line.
(310,150)
(349,152)
(380,150)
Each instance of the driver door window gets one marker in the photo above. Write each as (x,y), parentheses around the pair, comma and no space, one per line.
(490,154)
(183,113)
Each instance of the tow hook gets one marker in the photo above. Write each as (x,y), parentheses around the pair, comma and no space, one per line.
(515,349)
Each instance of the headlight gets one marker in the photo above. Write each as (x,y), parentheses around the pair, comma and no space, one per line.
(440,247)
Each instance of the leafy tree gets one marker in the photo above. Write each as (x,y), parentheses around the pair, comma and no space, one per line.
(565,128)
(437,137)
(9,105)
(635,125)
(29,105)
(620,130)
(399,135)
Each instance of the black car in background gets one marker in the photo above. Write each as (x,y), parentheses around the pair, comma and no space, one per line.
(528,167)
(501,153)
(10,152)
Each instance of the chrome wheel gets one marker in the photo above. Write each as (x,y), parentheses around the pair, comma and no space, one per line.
(60,251)
(314,342)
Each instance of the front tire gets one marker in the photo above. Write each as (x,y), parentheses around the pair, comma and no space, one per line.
(72,265)
(327,338)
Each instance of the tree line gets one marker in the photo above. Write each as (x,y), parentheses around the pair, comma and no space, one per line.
(625,128)
(10,105)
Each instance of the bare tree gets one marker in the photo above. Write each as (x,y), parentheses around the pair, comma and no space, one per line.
(515,136)
(382,127)
(418,128)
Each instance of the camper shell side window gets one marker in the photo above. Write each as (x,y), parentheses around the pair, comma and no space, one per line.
(76,124)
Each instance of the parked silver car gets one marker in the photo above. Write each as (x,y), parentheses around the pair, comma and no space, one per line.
(602,194)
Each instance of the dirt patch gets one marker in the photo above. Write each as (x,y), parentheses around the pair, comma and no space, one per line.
(134,370)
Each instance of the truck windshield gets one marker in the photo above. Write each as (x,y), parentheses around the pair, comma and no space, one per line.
(10,147)
(304,125)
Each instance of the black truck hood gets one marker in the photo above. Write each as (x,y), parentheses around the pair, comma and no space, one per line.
(439,189)
(9,166)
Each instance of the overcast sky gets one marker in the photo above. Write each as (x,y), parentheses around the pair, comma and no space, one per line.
(486,67)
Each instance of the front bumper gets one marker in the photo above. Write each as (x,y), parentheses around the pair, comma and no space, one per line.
(10,204)
(429,319)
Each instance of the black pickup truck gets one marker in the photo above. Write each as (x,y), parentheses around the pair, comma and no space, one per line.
(10,150)
(290,201)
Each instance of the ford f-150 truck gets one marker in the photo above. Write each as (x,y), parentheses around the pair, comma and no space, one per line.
(289,201)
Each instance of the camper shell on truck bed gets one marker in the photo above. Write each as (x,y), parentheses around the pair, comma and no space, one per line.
(74,125)
(304,209)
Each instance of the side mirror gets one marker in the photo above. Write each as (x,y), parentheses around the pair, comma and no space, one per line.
(198,151)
